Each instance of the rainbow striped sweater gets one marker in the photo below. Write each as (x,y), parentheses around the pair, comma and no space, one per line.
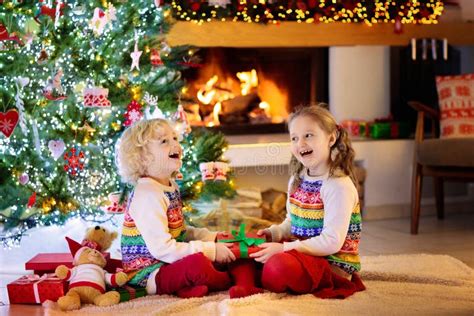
(154,233)
(323,215)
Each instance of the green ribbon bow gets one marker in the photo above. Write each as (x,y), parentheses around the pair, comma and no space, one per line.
(244,242)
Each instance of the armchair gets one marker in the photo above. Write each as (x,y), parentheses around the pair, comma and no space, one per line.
(441,158)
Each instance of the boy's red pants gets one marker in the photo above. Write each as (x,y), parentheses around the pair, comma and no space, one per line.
(194,271)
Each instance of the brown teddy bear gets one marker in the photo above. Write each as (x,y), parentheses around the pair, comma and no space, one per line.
(88,278)
(99,238)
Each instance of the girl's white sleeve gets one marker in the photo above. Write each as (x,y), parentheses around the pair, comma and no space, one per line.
(148,210)
(283,230)
(339,196)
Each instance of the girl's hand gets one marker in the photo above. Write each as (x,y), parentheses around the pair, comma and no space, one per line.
(223,253)
(270,249)
(265,232)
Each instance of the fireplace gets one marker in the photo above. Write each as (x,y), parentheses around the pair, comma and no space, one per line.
(252,90)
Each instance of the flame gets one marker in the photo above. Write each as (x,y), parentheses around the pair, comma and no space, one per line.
(248,80)
(266,107)
(215,114)
(206,94)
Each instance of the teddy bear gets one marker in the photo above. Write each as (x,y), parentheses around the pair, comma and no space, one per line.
(87,279)
(98,238)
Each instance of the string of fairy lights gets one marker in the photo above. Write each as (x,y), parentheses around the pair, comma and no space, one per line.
(309,11)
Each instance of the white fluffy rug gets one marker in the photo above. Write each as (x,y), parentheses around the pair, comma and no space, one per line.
(396,285)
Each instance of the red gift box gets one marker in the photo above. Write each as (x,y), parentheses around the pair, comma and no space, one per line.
(236,248)
(35,289)
(47,262)
(352,127)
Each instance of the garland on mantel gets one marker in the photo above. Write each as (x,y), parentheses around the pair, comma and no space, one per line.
(309,11)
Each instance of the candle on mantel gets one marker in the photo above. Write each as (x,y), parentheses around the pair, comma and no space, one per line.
(413,48)
(424,49)
(445,48)
(434,53)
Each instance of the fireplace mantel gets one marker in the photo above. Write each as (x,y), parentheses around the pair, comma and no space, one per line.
(293,34)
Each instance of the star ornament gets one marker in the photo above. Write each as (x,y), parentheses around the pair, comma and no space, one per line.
(135,55)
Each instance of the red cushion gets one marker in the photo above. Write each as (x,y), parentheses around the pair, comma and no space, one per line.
(456,104)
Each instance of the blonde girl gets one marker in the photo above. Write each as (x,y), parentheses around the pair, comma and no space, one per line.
(159,251)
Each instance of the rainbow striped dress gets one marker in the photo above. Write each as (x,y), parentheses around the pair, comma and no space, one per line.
(306,210)
(137,260)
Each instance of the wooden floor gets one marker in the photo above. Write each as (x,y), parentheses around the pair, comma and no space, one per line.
(453,236)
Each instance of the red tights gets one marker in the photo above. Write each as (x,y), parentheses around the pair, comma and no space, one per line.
(283,272)
(301,273)
(192,276)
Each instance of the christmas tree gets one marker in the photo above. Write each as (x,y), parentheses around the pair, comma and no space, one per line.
(74,74)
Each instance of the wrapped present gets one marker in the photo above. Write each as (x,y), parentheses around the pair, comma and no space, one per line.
(352,127)
(364,129)
(244,243)
(219,216)
(35,289)
(128,293)
(47,262)
(380,130)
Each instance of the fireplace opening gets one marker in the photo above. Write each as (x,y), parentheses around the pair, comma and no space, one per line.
(252,90)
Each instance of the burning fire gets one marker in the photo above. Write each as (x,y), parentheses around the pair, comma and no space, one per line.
(240,98)
(211,94)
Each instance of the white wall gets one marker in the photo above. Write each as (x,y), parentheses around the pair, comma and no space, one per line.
(359,82)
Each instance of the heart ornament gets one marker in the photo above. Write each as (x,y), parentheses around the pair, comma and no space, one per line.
(56,147)
(8,122)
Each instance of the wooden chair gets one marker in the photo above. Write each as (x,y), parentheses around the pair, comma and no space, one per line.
(443,159)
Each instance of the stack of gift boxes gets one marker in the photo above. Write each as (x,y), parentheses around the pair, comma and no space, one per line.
(382,128)
(44,285)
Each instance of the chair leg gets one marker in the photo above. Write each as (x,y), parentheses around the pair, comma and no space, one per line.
(439,196)
(416,198)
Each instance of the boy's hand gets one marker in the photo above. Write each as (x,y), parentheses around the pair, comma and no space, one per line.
(265,232)
(270,249)
(223,253)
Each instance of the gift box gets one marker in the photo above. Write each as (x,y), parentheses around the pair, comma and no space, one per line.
(364,129)
(379,130)
(352,127)
(244,244)
(128,293)
(47,262)
(356,128)
(35,289)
